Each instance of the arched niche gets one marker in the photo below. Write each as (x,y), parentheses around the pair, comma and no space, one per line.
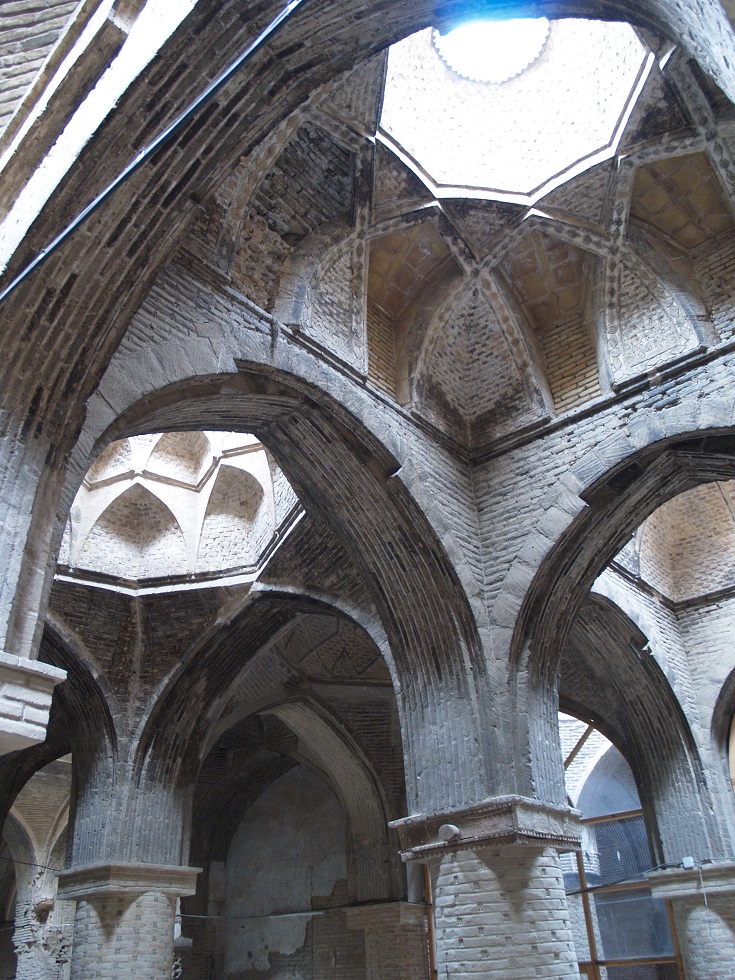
(236,525)
(609,788)
(182,456)
(326,453)
(136,537)
(113,461)
(687,547)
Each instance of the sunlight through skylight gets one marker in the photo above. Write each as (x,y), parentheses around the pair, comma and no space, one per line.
(518,138)
(493,50)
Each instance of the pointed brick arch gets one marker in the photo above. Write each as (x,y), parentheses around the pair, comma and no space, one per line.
(615,505)
(608,674)
(135,537)
(341,472)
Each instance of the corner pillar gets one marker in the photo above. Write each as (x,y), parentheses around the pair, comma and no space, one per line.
(124,922)
(500,910)
(703,902)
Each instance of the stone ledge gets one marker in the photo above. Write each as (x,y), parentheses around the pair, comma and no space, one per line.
(26,689)
(717,878)
(97,880)
(502,820)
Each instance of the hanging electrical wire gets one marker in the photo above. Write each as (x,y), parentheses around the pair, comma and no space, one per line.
(168,133)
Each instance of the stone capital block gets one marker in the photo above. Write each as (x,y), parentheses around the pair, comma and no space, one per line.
(92,881)
(26,689)
(717,878)
(497,821)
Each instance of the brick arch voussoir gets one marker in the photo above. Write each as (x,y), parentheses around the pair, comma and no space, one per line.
(615,505)
(77,311)
(80,722)
(215,663)
(313,47)
(722,719)
(345,474)
(597,507)
(639,711)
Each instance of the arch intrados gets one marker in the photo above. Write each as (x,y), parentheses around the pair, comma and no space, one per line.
(617,503)
(363,29)
(631,637)
(657,743)
(72,703)
(251,401)
(19,839)
(723,718)
(321,764)
(209,668)
(317,250)
(298,603)
(60,648)
(273,405)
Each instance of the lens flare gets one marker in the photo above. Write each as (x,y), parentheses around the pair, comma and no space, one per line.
(492,50)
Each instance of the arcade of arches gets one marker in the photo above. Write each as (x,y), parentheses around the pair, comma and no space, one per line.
(367,495)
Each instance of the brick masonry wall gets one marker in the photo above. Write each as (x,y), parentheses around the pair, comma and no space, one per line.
(208,328)
(571,362)
(29,32)
(381,351)
(713,263)
(337,318)
(706,631)
(687,544)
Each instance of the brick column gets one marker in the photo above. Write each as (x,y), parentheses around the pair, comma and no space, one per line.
(395,939)
(500,909)
(703,902)
(124,923)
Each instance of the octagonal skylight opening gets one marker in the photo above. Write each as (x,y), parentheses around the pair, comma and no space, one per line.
(170,511)
(518,140)
(492,51)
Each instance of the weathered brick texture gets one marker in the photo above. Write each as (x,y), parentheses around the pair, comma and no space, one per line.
(468,407)
(502,914)
(124,935)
